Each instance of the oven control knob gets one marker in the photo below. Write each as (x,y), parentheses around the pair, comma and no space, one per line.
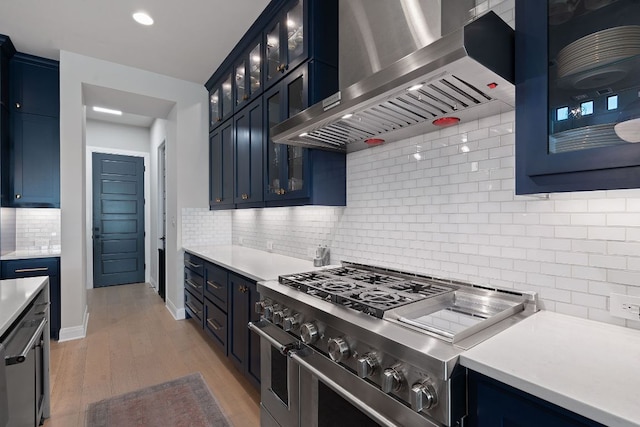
(269,310)
(309,333)
(423,396)
(259,307)
(338,349)
(367,365)
(278,316)
(291,322)
(392,380)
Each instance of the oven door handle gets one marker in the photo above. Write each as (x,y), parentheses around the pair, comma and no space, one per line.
(258,328)
(19,358)
(372,413)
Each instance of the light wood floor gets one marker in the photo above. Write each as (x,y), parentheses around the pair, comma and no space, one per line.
(133,342)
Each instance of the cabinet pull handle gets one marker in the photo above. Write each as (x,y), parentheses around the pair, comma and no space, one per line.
(18,105)
(18,196)
(192,308)
(281,191)
(194,265)
(31,270)
(214,285)
(245,196)
(218,200)
(192,283)
(215,325)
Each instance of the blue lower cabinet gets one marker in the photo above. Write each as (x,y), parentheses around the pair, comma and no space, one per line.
(244,345)
(32,267)
(223,308)
(492,403)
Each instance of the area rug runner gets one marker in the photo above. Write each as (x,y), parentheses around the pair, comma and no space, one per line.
(184,402)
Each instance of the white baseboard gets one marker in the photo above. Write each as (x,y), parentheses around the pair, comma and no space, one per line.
(177,313)
(153,283)
(75,332)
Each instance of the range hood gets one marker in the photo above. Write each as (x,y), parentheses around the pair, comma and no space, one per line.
(465,75)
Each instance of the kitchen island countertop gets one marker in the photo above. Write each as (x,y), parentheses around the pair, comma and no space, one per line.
(588,367)
(15,296)
(252,263)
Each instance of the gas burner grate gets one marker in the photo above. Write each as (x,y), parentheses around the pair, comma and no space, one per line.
(368,291)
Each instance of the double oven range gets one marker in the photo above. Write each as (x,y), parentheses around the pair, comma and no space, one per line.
(367,346)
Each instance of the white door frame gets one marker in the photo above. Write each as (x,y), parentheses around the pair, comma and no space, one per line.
(89,208)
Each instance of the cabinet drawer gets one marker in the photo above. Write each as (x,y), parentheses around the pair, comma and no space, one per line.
(216,323)
(193,306)
(194,283)
(194,263)
(215,287)
(29,268)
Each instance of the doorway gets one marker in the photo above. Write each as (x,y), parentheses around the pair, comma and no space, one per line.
(118,219)
(162,215)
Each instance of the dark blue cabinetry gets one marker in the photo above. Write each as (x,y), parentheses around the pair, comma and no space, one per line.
(13,269)
(223,307)
(221,167)
(295,175)
(31,173)
(249,144)
(298,45)
(492,403)
(565,137)
(244,346)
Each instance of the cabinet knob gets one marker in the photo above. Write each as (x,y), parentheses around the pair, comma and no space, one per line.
(245,196)
(282,68)
(281,191)
(218,200)
(18,105)
(245,97)
(18,196)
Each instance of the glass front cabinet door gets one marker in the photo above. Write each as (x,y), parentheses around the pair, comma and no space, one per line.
(577,95)
(286,165)
(248,75)
(285,41)
(220,102)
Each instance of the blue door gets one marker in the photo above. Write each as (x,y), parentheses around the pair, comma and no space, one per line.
(118,219)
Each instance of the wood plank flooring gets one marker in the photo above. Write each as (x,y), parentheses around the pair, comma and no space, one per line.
(133,342)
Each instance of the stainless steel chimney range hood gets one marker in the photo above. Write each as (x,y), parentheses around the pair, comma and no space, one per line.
(463,76)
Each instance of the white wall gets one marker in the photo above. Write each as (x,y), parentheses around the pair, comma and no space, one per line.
(187,153)
(117,136)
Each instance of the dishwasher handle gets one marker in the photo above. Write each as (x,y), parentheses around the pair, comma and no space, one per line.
(19,358)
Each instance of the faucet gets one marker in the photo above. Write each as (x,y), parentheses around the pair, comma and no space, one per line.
(322,256)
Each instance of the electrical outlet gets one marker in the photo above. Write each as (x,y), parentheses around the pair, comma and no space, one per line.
(624,306)
(269,245)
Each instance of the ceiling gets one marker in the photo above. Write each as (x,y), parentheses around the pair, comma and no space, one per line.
(188,40)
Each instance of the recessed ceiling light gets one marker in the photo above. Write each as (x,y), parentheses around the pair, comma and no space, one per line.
(107,111)
(143,18)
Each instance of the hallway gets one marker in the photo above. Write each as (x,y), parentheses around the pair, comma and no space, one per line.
(132,342)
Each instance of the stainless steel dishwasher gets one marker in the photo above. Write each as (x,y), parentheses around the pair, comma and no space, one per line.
(26,365)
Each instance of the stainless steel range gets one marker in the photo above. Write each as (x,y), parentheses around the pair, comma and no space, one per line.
(362,345)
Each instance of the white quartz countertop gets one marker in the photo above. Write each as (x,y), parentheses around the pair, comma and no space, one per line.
(32,253)
(15,296)
(588,367)
(252,263)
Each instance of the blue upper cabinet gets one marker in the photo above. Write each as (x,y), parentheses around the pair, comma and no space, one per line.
(296,175)
(285,62)
(577,95)
(31,164)
(221,167)
(35,87)
(285,40)
(221,101)
(248,76)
